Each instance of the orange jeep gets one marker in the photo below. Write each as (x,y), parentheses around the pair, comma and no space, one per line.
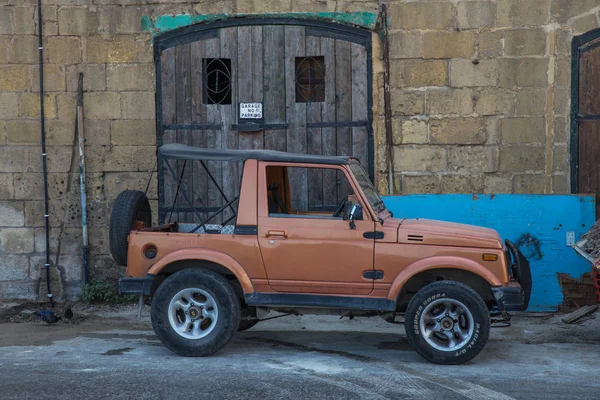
(274,253)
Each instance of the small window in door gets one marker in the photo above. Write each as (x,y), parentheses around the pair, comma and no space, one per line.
(216,80)
(310,79)
(295,192)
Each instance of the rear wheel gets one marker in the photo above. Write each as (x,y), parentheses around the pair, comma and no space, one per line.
(195,312)
(447,322)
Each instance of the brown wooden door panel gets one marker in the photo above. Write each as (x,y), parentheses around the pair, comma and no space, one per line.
(589,82)
(183,116)
(589,156)
(230,136)
(169,107)
(200,183)
(343,94)
(360,135)
(328,114)
(295,46)
(588,120)
(314,139)
(250,78)
(212,50)
(274,79)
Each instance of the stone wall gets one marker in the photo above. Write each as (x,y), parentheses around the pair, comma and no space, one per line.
(481,94)
(480,100)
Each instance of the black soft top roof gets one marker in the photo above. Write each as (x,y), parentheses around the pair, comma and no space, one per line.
(182,152)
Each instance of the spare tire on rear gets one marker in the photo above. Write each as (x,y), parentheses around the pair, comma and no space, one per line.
(130,208)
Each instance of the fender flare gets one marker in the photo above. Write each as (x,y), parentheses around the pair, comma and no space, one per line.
(442,262)
(201,254)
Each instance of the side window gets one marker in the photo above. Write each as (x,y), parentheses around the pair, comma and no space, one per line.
(297,192)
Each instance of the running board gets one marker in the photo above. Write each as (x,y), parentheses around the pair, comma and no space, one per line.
(319,301)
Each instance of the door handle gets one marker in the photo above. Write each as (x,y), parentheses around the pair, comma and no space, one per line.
(280,234)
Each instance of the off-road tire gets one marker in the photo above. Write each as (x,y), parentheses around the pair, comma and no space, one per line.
(130,206)
(227,321)
(451,290)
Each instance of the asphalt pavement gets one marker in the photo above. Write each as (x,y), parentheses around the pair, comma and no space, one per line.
(310,357)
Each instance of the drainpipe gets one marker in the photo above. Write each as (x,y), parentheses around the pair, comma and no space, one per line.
(387,98)
(43,134)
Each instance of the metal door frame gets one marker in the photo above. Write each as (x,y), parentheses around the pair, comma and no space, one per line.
(576,51)
(203,31)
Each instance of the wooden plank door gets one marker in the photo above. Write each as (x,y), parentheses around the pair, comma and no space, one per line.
(314,84)
(588,120)
(335,119)
(193,113)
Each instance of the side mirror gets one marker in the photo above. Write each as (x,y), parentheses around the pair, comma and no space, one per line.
(355,213)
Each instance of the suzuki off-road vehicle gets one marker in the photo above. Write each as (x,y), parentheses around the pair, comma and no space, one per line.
(216,275)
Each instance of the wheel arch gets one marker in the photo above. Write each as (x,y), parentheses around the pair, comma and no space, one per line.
(213,260)
(433,269)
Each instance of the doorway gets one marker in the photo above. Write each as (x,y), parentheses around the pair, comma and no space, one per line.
(266,83)
(585,116)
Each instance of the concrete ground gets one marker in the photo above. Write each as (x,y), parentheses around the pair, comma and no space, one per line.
(109,354)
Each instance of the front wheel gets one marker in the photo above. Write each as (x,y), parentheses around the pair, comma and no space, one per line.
(195,312)
(447,322)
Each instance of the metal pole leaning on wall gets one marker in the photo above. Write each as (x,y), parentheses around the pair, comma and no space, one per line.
(81,145)
(387,96)
(44,156)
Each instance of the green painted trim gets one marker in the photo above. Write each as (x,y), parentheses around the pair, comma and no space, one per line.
(166,23)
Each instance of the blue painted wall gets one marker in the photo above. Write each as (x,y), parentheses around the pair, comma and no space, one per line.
(538,224)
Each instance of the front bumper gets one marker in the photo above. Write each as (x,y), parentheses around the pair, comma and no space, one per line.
(510,298)
(515,296)
(140,286)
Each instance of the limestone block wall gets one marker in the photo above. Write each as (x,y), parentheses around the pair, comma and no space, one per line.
(480,102)
(481,94)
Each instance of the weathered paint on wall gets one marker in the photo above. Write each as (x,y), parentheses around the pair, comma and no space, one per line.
(166,23)
(538,224)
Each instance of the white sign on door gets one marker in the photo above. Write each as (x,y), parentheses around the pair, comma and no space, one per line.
(251,110)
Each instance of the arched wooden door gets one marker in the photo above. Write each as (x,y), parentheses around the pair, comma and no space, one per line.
(305,87)
(586,115)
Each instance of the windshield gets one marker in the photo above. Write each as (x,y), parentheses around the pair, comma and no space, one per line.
(367,187)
